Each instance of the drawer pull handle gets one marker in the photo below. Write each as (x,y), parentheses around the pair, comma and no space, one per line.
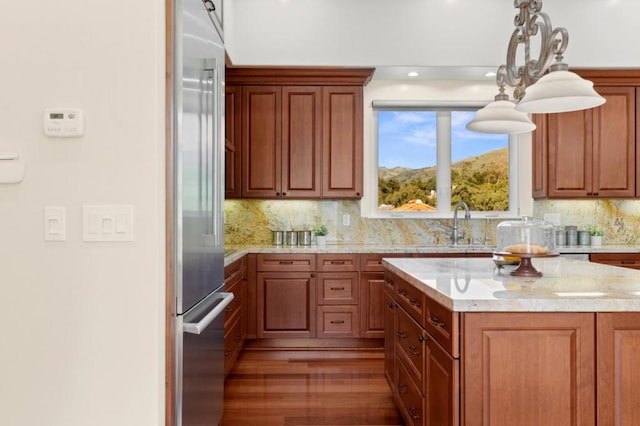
(402,292)
(414,351)
(402,334)
(413,413)
(390,305)
(286,262)
(238,337)
(338,262)
(402,388)
(437,322)
(227,353)
(628,262)
(421,339)
(337,288)
(229,309)
(337,322)
(414,303)
(388,282)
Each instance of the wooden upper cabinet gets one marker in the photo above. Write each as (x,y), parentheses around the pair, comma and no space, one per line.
(342,142)
(261,141)
(301,131)
(591,153)
(301,139)
(539,150)
(233,142)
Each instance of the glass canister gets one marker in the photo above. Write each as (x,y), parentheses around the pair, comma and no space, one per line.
(526,236)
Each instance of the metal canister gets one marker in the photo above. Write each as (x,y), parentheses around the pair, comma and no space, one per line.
(304,238)
(278,238)
(584,238)
(291,238)
(572,235)
(561,237)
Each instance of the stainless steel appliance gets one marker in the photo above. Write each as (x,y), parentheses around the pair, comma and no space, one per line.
(197,168)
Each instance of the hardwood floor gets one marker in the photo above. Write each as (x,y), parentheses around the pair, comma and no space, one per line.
(309,387)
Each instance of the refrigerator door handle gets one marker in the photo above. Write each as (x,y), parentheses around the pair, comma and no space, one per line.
(198,327)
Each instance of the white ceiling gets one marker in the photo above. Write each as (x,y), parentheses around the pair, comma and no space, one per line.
(446,39)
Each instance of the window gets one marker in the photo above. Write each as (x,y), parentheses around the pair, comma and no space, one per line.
(427,161)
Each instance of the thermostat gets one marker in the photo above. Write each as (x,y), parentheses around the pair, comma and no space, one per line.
(63,122)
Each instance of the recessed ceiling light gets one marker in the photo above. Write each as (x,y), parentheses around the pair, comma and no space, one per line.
(490,74)
(412,74)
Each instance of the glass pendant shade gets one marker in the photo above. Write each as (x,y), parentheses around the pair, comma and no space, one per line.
(560,91)
(500,117)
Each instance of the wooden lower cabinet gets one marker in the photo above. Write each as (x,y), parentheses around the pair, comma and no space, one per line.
(528,369)
(286,304)
(618,340)
(625,260)
(372,317)
(337,321)
(389,339)
(235,315)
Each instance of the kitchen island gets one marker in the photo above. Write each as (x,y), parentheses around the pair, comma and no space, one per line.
(469,344)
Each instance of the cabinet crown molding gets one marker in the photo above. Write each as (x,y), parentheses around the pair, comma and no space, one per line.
(299,75)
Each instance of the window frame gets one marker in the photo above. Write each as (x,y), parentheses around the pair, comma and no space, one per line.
(369,202)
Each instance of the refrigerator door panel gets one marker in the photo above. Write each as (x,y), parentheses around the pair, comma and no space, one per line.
(199,189)
(202,362)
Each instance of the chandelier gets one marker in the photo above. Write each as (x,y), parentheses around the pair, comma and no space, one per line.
(534,89)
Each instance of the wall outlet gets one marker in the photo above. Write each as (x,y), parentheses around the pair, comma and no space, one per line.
(554,218)
(346,220)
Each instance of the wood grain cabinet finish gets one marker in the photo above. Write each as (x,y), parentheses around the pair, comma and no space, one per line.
(338,288)
(590,153)
(301,131)
(625,260)
(389,337)
(337,321)
(286,295)
(281,130)
(618,337)
(372,308)
(528,369)
(233,142)
(235,315)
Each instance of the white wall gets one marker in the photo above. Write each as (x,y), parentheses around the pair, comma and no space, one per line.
(421,32)
(82,325)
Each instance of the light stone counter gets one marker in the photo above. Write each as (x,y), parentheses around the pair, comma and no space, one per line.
(477,285)
(241,250)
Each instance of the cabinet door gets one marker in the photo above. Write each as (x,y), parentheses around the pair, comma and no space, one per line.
(618,373)
(529,369)
(338,288)
(372,310)
(539,139)
(442,387)
(570,154)
(301,141)
(233,142)
(286,304)
(261,141)
(342,142)
(614,143)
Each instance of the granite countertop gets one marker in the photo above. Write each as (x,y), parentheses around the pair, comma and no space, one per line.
(378,248)
(477,285)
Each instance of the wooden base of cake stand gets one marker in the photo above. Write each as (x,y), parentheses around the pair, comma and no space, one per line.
(526,268)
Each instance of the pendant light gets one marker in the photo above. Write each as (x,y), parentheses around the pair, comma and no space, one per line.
(539,87)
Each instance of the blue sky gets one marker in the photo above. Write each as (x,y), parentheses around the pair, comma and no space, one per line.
(408,138)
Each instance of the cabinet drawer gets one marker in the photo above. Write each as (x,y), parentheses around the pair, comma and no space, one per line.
(410,345)
(233,341)
(337,262)
(338,288)
(286,262)
(338,321)
(443,325)
(410,400)
(626,260)
(410,298)
(372,262)
(239,290)
(235,271)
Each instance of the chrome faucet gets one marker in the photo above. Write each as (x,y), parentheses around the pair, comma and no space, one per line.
(467,215)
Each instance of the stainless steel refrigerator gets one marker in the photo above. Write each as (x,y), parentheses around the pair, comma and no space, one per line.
(197,163)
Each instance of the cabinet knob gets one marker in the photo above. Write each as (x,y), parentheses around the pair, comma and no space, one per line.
(284,194)
(357,194)
(277,194)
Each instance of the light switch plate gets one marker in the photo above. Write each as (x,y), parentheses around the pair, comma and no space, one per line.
(107,223)
(55,227)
